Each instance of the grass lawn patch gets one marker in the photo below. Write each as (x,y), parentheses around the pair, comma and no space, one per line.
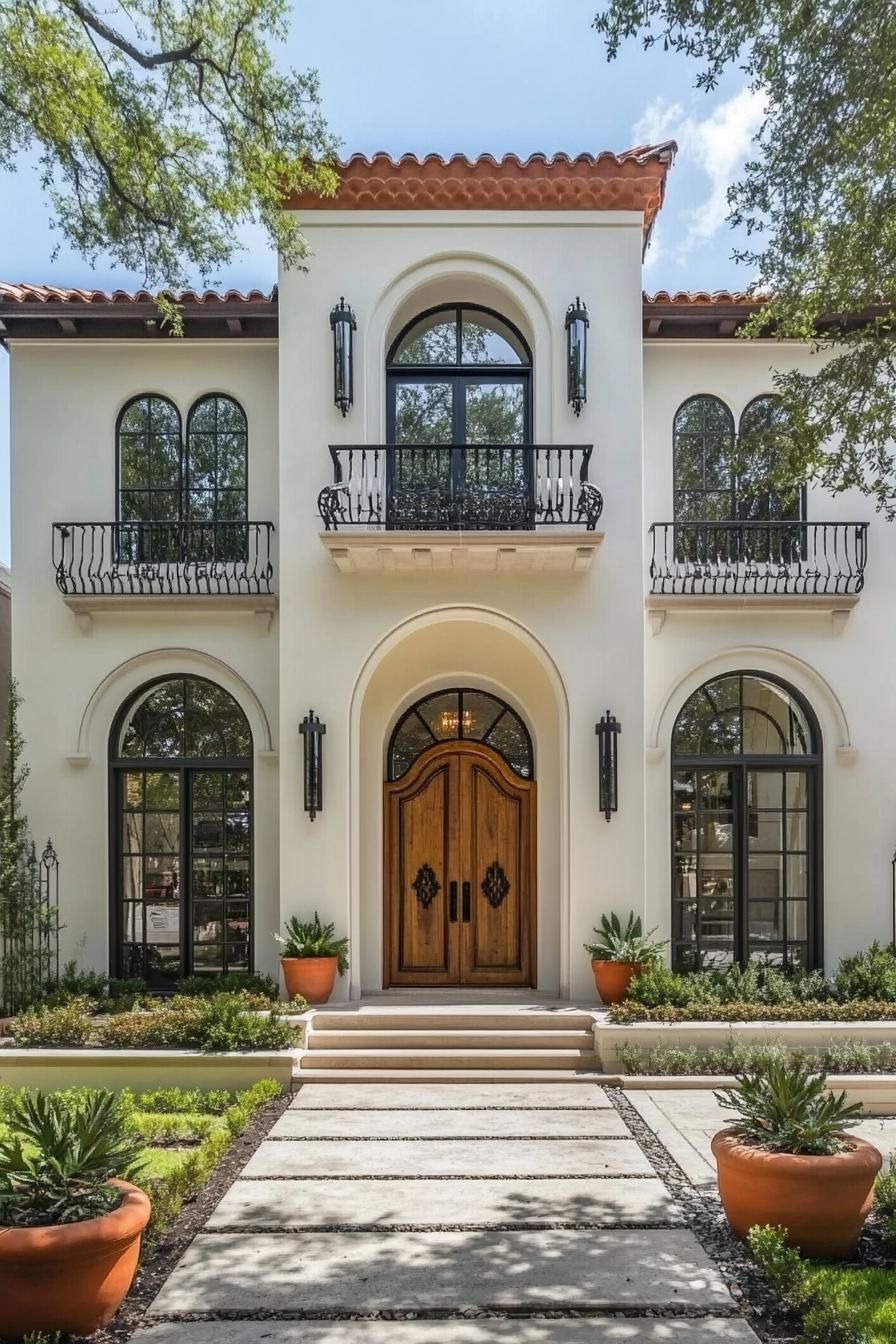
(864,1299)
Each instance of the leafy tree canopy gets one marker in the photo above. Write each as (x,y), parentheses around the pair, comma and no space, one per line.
(817,203)
(161,126)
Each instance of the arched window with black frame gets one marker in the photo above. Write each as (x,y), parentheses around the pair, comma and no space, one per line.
(460,714)
(459,417)
(180,759)
(746,819)
(216,499)
(150,480)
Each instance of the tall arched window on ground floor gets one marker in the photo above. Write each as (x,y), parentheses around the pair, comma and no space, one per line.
(746,753)
(181,789)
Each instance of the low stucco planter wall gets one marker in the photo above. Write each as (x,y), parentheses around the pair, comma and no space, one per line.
(875,1091)
(609,1037)
(142,1069)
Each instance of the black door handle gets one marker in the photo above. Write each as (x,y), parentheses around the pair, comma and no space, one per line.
(466,890)
(452,902)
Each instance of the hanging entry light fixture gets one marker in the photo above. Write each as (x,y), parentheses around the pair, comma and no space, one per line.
(577,355)
(343,324)
(608,731)
(312,731)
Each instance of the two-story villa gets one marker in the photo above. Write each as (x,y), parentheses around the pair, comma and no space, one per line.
(456,493)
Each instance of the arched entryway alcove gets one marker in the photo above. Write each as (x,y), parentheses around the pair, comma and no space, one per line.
(437,654)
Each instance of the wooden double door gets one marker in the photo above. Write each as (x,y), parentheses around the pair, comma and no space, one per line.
(459,871)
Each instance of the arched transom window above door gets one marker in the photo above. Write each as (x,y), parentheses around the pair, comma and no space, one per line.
(460,714)
(745,826)
(181,781)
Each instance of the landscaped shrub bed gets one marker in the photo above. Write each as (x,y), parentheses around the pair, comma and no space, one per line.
(186,1133)
(864,989)
(222,1022)
(737,1056)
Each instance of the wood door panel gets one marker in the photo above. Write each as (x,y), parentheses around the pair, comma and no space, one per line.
(421,844)
(495,842)
(459,816)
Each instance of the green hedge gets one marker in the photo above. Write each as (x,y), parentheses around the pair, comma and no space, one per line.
(738,1056)
(857,1010)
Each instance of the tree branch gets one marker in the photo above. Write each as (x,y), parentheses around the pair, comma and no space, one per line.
(94,22)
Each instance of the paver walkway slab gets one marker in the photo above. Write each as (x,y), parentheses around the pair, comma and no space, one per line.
(483,1331)
(450,1157)
(321,1203)
(439,1096)
(404,1271)
(552,1123)
(461,1197)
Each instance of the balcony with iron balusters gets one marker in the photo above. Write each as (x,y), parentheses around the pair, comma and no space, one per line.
(784,565)
(476,507)
(185,566)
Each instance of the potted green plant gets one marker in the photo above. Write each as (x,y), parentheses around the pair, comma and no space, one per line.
(70,1226)
(620,954)
(786,1161)
(311,957)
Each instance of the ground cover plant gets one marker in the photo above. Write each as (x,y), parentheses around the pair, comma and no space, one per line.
(836,1304)
(863,989)
(737,1056)
(173,1138)
(221,1022)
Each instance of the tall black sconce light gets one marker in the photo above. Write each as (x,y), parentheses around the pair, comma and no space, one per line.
(608,731)
(342,321)
(577,355)
(312,731)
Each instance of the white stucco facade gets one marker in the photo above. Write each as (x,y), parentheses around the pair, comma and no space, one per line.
(560,646)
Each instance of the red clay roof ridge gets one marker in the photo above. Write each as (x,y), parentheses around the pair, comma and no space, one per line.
(23,293)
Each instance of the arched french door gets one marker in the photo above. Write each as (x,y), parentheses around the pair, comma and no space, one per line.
(181,835)
(459,419)
(746,826)
(459,845)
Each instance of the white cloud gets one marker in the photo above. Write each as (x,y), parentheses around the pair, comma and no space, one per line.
(718,145)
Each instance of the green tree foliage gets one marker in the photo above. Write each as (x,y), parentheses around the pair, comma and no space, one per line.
(818,205)
(162,126)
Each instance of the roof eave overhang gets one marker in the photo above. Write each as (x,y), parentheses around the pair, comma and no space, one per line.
(120,321)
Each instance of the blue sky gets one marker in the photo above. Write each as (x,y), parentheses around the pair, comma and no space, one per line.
(469,76)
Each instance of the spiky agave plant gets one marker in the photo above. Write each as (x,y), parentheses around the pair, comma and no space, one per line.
(313,939)
(58,1157)
(784,1107)
(624,943)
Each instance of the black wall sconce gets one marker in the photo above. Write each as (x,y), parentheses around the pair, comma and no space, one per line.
(342,321)
(577,355)
(608,731)
(312,731)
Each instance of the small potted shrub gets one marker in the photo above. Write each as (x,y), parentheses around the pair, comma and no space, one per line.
(786,1161)
(620,954)
(70,1227)
(311,956)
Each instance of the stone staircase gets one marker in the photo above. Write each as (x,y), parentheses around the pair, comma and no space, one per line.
(480,1043)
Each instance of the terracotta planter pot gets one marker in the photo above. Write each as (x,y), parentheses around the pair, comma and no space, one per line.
(312,977)
(71,1278)
(821,1202)
(613,978)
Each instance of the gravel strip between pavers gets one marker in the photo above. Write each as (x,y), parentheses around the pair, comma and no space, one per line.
(706,1219)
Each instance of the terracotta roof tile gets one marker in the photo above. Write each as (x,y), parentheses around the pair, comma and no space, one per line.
(683,298)
(54,294)
(633,180)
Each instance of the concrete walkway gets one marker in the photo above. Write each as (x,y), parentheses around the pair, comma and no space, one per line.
(686,1119)
(446,1203)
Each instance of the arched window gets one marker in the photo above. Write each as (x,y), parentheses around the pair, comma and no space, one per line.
(181,764)
(150,477)
(746,752)
(460,714)
(763,430)
(703,448)
(216,504)
(458,410)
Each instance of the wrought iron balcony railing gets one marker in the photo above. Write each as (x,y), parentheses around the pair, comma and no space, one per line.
(758,558)
(159,559)
(442,488)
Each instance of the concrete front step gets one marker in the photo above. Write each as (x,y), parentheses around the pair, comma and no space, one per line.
(482,1018)
(445,1039)
(343,1076)
(422,1059)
